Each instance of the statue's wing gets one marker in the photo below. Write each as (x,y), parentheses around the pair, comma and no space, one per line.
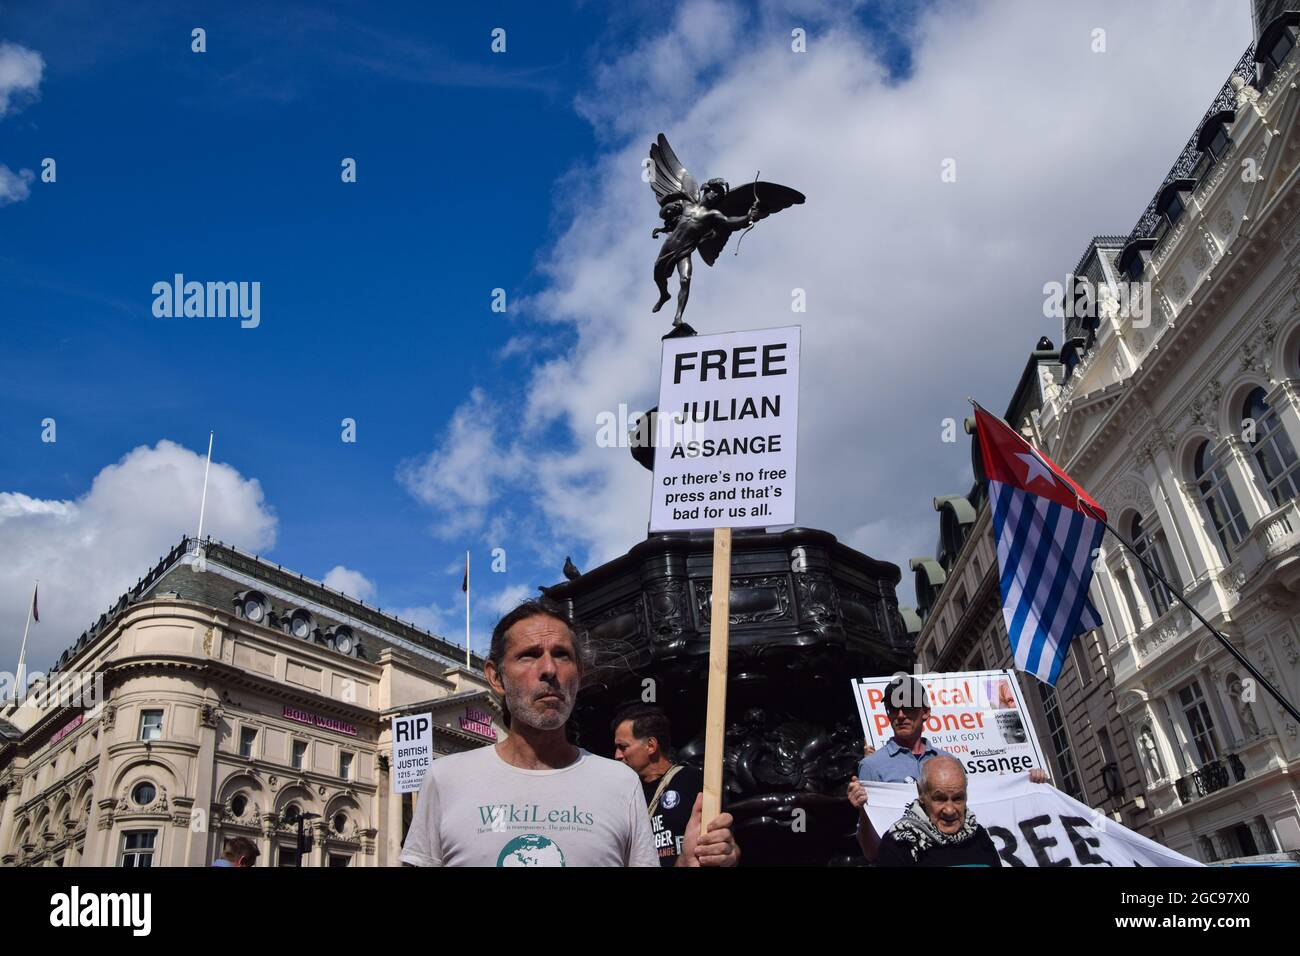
(773,197)
(668,175)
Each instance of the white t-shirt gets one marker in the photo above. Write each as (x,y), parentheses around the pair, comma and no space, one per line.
(474,809)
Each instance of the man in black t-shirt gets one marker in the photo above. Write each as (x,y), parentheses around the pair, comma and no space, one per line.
(643,741)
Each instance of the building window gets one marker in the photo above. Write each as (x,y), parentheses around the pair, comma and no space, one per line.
(137,848)
(1220,500)
(1111,778)
(1174,210)
(151,724)
(345,765)
(144,794)
(1280,49)
(1069,775)
(340,822)
(299,754)
(1199,723)
(287,856)
(247,737)
(338,860)
(1273,451)
(1081,661)
(1149,543)
(1218,146)
(238,804)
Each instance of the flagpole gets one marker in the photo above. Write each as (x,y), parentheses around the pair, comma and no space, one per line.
(1176,592)
(19,689)
(203,504)
(467,662)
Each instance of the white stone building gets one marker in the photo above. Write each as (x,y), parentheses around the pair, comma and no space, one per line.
(1184,424)
(238,698)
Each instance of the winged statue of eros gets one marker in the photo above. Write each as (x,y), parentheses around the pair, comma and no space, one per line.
(702,218)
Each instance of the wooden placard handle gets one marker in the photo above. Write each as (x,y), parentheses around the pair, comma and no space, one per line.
(715,720)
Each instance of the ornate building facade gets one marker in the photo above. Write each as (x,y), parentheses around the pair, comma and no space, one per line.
(235,698)
(1183,419)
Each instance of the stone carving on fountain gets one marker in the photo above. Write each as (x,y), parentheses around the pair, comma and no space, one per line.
(808,614)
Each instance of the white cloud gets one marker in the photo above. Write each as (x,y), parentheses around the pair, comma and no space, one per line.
(14,186)
(462,478)
(919,292)
(20,75)
(352,583)
(89,550)
(507,598)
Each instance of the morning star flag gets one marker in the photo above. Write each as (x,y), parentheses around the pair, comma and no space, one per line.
(1046,541)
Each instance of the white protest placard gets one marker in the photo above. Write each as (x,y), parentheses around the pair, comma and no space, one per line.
(412,751)
(1034,824)
(977,716)
(729,405)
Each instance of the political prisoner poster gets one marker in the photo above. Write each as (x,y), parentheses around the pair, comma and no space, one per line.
(977,716)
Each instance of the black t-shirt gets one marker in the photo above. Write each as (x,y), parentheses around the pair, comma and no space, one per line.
(675,805)
(977,851)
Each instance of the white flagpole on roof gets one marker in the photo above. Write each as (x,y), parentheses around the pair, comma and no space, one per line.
(467,661)
(203,504)
(19,678)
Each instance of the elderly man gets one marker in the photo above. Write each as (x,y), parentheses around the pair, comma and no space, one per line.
(534,799)
(936,829)
(903,758)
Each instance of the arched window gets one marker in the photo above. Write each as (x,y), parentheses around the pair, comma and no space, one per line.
(1273,450)
(1149,542)
(1219,499)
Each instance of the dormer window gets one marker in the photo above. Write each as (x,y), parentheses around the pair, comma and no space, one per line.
(1276,41)
(1171,207)
(1213,142)
(1132,258)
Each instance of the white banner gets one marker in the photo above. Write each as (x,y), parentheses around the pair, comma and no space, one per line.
(730,406)
(977,716)
(412,751)
(1034,824)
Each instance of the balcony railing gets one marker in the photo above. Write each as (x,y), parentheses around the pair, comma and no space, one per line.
(1272,536)
(1191,155)
(1214,776)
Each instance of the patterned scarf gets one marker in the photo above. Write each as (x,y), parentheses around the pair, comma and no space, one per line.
(916,831)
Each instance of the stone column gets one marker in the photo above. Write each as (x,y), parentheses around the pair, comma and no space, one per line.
(1112,623)
(1239,463)
(1187,522)
(198,842)
(393,828)
(1178,549)
(1139,591)
(1184,751)
(8,814)
(1285,401)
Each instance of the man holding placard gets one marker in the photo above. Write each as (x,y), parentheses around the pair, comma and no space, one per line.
(534,799)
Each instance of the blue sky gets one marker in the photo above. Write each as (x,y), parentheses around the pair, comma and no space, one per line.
(478,171)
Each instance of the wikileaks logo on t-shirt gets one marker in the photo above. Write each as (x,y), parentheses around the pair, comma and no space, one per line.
(531,849)
(498,816)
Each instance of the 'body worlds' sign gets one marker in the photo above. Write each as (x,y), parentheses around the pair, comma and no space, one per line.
(727,431)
